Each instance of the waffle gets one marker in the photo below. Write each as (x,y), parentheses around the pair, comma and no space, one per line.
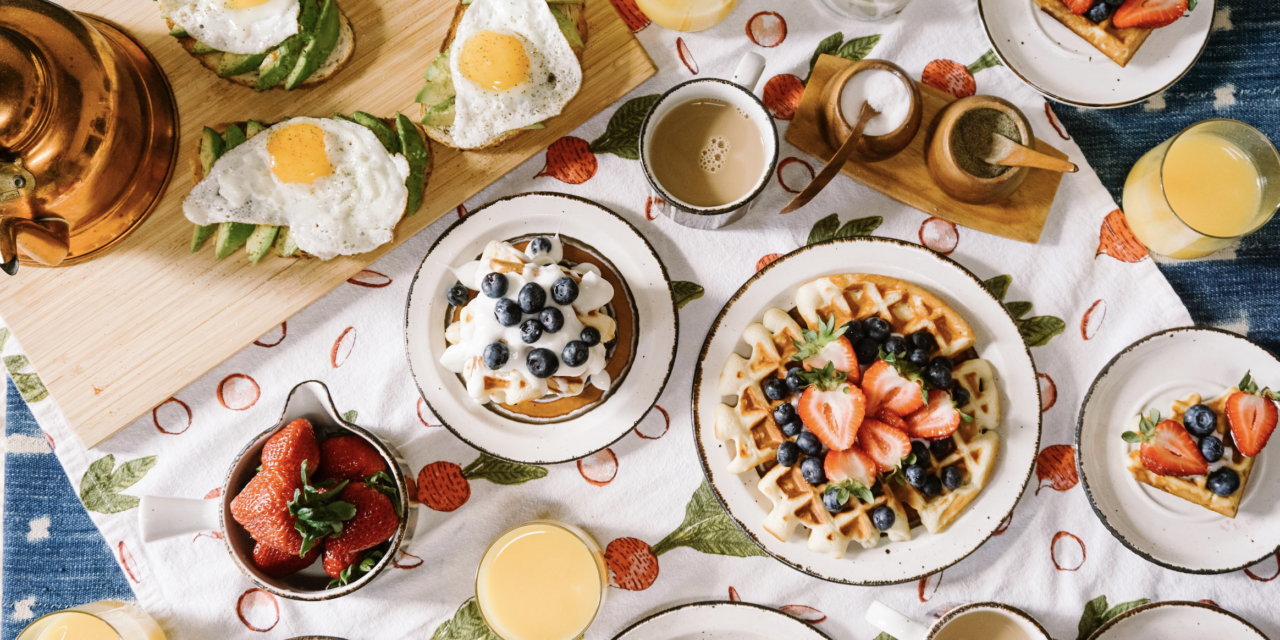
(796,502)
(1193,489)
(1118,44)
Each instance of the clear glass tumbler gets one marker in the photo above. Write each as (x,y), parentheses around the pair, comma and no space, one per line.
(102,620)
(866,9)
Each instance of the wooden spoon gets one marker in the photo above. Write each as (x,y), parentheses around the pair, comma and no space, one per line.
(836,163)
(1006,152)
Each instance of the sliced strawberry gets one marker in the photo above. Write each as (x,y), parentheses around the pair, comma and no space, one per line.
(1078,7)
(890,418)
(1148,14)
(833,415)
(937,420)
(883,444)
(840,352)
(1171,451)
(1252,419)
(886,388)
(852,463)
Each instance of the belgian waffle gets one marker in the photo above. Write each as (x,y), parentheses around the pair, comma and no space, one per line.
(1118,44)
(1193,488)
(796,502)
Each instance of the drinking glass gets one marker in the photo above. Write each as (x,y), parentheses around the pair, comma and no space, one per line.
(866,9)
(687,15)
(102,620)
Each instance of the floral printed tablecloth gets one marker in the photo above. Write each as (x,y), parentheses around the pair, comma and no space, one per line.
(1080,295)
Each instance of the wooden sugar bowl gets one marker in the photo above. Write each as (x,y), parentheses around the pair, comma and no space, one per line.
(838,124)
(955,168)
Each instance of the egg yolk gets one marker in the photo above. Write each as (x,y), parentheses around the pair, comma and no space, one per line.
(494,61)
(298,154)
(244,4)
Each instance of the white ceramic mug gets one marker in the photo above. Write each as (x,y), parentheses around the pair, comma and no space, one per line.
(739,91)
(904,628)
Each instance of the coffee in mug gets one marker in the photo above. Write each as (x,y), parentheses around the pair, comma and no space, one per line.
(708,152)
(984,624)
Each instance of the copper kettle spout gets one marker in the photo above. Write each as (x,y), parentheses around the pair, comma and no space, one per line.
(45,239)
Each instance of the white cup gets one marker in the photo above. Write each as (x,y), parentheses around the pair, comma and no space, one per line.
(739,91)
(904,628)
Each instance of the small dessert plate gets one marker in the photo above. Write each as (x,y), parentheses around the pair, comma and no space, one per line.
(720,621)
(1063,66)
(1162,528)
(643,304)
(1177,619)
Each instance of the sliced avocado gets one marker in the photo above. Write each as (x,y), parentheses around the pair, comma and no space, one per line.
(308,16)
(231,236)
(418,155)
(260,241)
(285,246)
(533,127)
(439,85)
(440,115)
(200,48)
(235,136)
(212,146)
(178,32)
(567,27)
(379,128)
(438,70)
(254,128)
(339,116)
(234,64)
(200,234)
(328,27)
(276,65)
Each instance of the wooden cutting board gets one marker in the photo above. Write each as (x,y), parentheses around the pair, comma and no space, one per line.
(111,338)
(905,177)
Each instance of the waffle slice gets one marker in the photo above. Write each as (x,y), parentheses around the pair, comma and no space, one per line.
(796,502)
(749,422)
(1193,488)
(1118,44)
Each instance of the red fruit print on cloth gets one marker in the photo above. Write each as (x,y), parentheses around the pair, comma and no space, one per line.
(733,595)
(238,392)
(803,613)
(1275,573)
(1057,465)
(341,349)
(957,79)
(462,211)
(266,339)
(1004,525)
(370,279)
(939,235)
(767,260)
(423,412)
(653,206)
(1048,392)
(767,29)
(599,468)
(686,56)
(570,161)
(442,486)
(52,445)
(126,561)
(1065,550)
(782,95)
(923,592)
(1054,122)
(654,425)
(171,417)
(215,492)
(631,14)
(794,174)
(258,610)
(1116,239)
(1208,602)
(1092,320)
(406,560)
(632,565)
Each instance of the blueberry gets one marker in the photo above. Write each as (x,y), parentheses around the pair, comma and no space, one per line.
(812,472)
(952,477)
(788,454)
(539,245)
(941,448)
(610,344)
(1200,420)
(895,345)
(1211,448)
(552,320)
(922,340)
(867,350)
(495,355)
(542,363)
(494,285)
(1224,481)
(932,486)
(564,290)
(853,330)
(921,450)
(785,413)
(943,361)
(809,443)
(877,328)
(457,295)
(507,312)
(831,500)
(918,357)
(775,389)
(938,377)
(794,381)
(882,517)
(574,354)
(1098,12)
(530,331)
(532,298)
(590,336)
(915,475)
(793,428)
(960,396)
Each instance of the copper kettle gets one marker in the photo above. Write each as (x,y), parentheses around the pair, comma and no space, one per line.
(88,134)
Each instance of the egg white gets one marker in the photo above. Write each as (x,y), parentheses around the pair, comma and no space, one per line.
(249,30)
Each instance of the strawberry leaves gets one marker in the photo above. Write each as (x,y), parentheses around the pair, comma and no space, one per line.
(826,378)
(1146,426)
(848,488)
(908,370)
(382,483)
(356,570)
(318,514)
(814,341)
(1250,386)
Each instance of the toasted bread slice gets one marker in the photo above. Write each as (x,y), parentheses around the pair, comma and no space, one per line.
(1118,44)
(575,11)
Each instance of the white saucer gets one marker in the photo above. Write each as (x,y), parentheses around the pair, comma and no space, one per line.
(629,399)
(1181,620)
(998,341)
(1162,528)
(1063,66)
(720,621)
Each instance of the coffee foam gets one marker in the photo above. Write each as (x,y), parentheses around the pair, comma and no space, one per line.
(714,154)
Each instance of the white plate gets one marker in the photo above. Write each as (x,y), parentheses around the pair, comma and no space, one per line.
(998,340)
(720,621)
(1063,66)
(1162,528)
(631,397)
(1181,620)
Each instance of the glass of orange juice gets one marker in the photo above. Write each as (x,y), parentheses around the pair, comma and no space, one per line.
(687,15)
(102,620)
(1195,193)
(544,580)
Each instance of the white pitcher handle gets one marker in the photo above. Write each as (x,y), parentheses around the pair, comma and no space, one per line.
(749,69)
(161,518)
(895,624)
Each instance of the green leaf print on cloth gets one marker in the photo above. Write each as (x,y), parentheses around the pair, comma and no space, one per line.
(686,292)
(487,467)
(101,485)
(854,50)
(830,227)
(1036,331)
(1096,614)
(350,416)
(466,624)
(621,136)
(29,384)
(707,528)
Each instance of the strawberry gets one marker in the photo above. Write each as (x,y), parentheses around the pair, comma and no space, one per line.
(290,446)
(1078,7)
(831,407)
(1252,416)
(376,519)
(937,420)
(281,509)
(827,344)
(883,444)
(349,458)
(1167,448)
(892,419)
(278,564)
(337,561)
(851,464)
(886,388)
(1148,14)
(346,568)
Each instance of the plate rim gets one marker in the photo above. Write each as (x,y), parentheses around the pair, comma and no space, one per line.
(666,276)
(1173,603)
(1084,481)
(715,603)
(697,426)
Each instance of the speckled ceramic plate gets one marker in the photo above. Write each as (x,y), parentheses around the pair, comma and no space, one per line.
(1160,527)
(1063,66)
(720,621)
(998,341)
(1181,620)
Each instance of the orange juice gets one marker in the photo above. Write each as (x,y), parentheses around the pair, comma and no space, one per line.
(103,620)
(541,581)
(687,15)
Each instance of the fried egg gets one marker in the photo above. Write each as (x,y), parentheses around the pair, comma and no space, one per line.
(511,67)
(330,181)
(236,26)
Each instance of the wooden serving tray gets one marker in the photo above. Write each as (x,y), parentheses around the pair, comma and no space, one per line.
(115,336)
(905,177)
